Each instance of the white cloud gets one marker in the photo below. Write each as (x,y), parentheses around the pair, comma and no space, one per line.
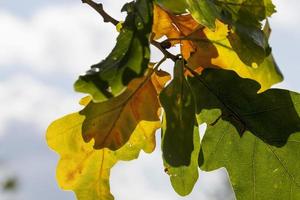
(69,38)
(145,179)
(61,39)
(26,99)
(287,15)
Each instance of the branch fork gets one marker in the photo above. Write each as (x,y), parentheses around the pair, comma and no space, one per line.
(99,8)
(162,46)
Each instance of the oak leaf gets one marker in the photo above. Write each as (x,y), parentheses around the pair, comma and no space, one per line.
(178,103)
(215,51)
(174,27)
(85,170)
(112,122)
(254,136)
(129,58)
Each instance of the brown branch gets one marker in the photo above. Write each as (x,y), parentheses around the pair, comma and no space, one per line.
(162,46)
(99,8)
(159,45)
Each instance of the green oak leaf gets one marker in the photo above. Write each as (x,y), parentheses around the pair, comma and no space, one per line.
(244,18)
(254,136)
(250,44)
(178,103)
(178,8)
(184,178)
(248,11)
(204,12)
(128,60)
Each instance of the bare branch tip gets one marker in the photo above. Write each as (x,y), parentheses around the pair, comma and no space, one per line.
(99,8)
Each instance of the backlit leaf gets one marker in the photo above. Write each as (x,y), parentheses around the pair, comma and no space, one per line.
(250,44)
(214,51)
(184,178)
(85,170)
(177,7)
(254,136)
(248,11)
(178,103)
(245,20)
(204,11)
(129,58)
(112,122)
(206,48)
(174,26)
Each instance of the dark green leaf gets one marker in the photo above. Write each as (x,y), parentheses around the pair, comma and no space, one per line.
(183,178)
(250,44)
(248,11)
(245,17)
(128,60)
(255,136)
(179,106)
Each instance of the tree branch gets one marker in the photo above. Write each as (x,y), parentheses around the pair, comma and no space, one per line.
(99,8)
(107,18)
(159,45)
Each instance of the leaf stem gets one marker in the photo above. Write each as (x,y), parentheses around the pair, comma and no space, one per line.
(197,40)
(160,62)
(99,8)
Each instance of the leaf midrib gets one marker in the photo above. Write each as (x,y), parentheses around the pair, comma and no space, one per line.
(227,107)
(122,105)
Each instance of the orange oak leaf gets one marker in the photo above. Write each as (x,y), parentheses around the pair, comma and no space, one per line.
(174,27)
(112,122)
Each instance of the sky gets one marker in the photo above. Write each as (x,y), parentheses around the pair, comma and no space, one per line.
(44,46)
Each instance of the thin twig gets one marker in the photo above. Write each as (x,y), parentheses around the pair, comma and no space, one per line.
(166,53)
(99,8)
(160,62)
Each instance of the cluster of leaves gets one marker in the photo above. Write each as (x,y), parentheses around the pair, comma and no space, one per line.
(221,77)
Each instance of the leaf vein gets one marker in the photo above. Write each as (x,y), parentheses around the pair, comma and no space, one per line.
(253,168)
(123,107)
(283,166)
(270,109)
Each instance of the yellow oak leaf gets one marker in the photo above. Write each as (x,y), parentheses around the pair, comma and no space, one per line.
(213,50)
(86,170)
(206,48)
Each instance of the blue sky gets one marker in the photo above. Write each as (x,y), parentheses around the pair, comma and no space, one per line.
(44,45)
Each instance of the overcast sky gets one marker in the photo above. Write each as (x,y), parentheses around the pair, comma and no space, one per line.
(44,45)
